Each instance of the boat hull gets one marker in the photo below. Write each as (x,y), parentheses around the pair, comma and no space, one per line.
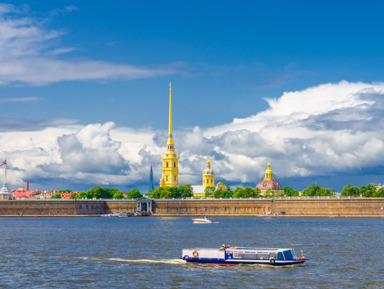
(243,262)
(201,222)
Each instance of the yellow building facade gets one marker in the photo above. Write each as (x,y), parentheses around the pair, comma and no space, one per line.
(208,176)
(170,177)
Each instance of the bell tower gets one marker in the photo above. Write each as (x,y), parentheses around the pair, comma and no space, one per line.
(208,176)
(170,160)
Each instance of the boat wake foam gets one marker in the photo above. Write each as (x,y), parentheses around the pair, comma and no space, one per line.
(164,261)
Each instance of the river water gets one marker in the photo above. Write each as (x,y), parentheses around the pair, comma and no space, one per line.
(144,252)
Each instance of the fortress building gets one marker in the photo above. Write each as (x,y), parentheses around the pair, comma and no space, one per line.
(170,160)
(269,183)
(208,176)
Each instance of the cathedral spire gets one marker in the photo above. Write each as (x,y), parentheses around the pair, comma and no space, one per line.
(170,114)
(170,160)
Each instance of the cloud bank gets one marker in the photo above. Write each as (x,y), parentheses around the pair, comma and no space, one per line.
(28,55)
(330,129)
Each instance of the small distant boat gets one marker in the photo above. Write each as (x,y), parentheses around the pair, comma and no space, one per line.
(242,255)
(117,215)
(204,220)
(110,215)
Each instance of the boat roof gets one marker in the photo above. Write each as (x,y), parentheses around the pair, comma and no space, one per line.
(244,248)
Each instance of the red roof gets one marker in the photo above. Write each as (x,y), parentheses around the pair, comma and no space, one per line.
(22,194)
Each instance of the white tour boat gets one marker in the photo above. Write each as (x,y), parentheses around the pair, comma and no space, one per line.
(242,255)
(204,220)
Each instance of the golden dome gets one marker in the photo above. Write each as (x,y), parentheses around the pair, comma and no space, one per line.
(269,182)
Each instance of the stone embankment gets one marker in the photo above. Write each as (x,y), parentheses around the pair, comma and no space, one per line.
(295,207)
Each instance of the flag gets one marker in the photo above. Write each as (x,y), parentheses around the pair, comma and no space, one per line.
(4,163)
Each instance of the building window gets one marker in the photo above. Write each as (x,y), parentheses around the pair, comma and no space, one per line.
(166,178)
(174,165)
(211,181)
(166,164)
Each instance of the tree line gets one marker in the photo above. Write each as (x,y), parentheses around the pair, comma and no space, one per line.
(186,191)
(102,193)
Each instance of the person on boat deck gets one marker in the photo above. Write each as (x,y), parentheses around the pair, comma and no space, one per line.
(228,246)
(222,248)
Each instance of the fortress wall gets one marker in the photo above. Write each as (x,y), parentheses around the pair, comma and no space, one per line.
(255,207)
(51,207)
(329,207)
(211,207)
(369,207)
(113,206)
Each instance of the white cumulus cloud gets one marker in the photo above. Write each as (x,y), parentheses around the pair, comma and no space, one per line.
(28,55)
(341,133)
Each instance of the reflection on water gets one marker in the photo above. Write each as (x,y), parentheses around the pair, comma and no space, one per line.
(145,252)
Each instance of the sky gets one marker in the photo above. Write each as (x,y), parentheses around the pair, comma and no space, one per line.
(84,92)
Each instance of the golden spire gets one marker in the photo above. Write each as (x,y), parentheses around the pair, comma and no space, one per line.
(269,173)
(170,113)
(208,163)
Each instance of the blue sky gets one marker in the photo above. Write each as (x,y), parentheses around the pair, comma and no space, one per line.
(84,91)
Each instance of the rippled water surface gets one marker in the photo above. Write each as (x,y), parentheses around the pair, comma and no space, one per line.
(144,252)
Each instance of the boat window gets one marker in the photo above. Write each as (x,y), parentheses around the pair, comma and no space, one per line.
(251,256)
(288,255)
(238,256)
(280,256)
(272,255)
(263,256)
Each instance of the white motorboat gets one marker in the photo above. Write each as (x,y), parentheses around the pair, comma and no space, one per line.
(204,220)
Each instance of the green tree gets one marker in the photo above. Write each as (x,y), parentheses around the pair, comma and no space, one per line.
(83,195)
(250,193)
(238,193)
(161,193)
(155,194)
(311,191)
(368,191)
(118,195)
(380,193)
(209,191)
(74,196)
(289,192)
(269,194)
(186,191)
(219,194)
(56,196)
(350,190)
(166,193)
(134,194)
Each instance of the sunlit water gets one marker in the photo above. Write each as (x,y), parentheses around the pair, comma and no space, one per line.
(144,252)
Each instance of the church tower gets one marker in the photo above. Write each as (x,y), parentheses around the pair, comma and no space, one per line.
(170,160)
(208,176)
